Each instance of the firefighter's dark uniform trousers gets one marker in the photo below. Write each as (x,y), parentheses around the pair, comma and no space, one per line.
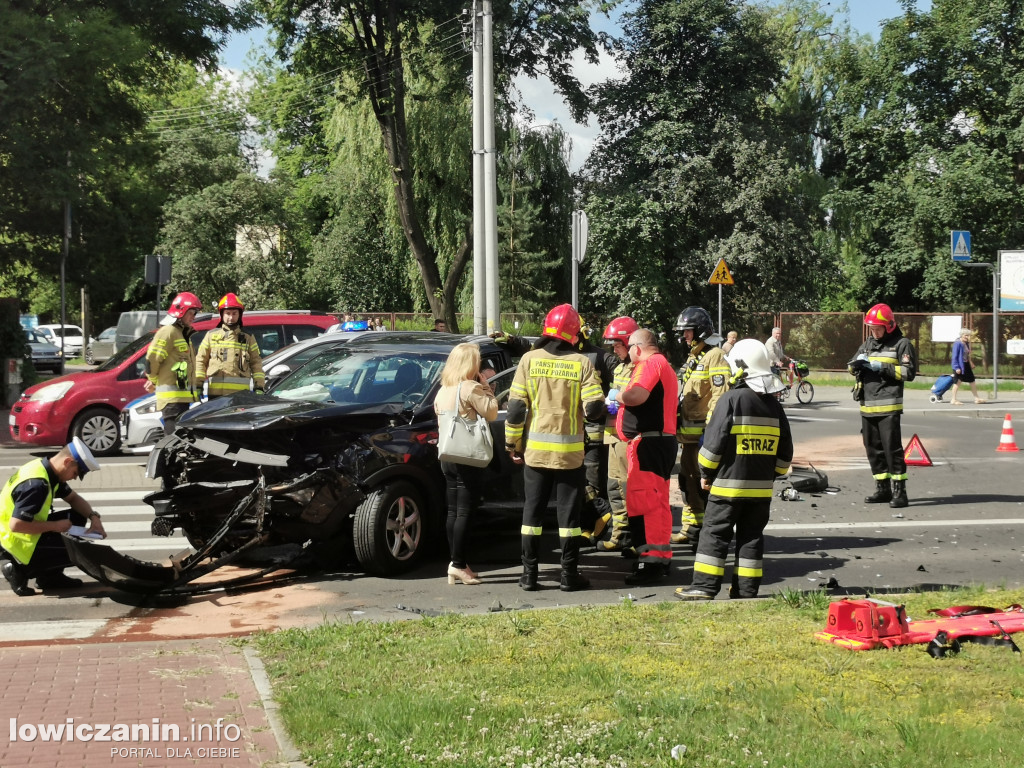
(564,485)
(746,446)
(881,402)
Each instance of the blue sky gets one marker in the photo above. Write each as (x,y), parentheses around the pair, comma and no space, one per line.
(865,16)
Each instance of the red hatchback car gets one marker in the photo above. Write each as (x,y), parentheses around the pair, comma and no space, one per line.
(87,404)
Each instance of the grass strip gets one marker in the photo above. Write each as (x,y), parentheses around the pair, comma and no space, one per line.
(726,684)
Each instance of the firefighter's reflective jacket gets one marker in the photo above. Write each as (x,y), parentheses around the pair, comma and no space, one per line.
(702,381)
(623,373)
(747,444)
(171,365)
(229,358)
(557,388)
(881,392)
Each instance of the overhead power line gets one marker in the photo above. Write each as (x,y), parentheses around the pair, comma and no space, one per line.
(171,123)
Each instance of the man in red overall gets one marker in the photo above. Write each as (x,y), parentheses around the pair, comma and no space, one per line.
(648,422)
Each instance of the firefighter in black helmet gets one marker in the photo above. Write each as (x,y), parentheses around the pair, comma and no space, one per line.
(703,379)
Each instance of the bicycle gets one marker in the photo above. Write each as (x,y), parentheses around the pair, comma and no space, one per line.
(804,388)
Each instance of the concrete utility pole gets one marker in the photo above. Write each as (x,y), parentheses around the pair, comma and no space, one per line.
(486,299)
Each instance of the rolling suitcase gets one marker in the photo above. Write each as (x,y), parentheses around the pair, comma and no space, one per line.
(941,387)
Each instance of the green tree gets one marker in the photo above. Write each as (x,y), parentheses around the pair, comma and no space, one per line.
(75,85)
(536,194)
(698,162)
(370,42)
(928,138)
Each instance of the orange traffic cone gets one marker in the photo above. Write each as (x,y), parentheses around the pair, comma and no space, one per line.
(1006,441)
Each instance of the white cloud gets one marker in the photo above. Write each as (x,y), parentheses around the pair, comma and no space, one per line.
(548,107)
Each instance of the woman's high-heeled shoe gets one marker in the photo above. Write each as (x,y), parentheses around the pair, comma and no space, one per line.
(465,575)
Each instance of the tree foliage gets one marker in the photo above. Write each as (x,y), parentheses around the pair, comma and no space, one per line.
(696,163)
(76,80)
(385,50)
(927,138)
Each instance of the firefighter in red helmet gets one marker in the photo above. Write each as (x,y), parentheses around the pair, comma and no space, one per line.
(884,362)
(171,363)
(616,338)
(554,390)
(228,357)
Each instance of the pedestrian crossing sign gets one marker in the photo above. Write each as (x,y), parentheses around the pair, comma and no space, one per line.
(721,275)
(960,244)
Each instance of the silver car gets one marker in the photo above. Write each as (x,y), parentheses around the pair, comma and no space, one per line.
(101,348)
(45,356)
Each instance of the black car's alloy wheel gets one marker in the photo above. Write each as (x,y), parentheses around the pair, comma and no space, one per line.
(389,529)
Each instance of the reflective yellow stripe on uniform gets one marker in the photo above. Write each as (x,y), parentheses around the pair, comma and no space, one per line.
(568,533)
(732,488)
(713,566)
(531,530)
(888,408)
(554,443)
(750,569)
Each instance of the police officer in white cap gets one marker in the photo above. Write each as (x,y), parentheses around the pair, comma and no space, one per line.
(31,545)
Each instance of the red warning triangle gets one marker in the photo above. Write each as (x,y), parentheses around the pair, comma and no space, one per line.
(922,459)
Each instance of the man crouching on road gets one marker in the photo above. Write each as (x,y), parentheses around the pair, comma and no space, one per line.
(31,544)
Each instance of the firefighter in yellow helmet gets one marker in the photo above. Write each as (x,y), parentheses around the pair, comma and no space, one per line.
(554,389)
(228,357)
(171,363)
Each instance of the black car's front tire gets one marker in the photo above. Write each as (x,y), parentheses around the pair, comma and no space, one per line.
(390,529)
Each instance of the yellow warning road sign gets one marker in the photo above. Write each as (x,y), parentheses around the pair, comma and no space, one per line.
(721,275)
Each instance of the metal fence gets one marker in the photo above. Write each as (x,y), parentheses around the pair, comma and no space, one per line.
(827,340)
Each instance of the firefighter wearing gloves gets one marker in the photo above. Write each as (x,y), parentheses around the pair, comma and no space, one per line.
(229,358)
(616,339)
(554,389)
(747,445)
(703,379)
(648,422)
(170,361)
(883,363)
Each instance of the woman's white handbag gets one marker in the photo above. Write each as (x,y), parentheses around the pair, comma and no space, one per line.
(461,441)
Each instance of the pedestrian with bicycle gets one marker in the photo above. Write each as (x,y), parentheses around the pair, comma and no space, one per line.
(777,356)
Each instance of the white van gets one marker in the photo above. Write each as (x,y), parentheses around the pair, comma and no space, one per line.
(132,325)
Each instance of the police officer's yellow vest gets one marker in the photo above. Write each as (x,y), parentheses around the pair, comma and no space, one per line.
(22,545)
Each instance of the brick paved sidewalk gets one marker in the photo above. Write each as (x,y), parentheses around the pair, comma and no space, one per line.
(193,685)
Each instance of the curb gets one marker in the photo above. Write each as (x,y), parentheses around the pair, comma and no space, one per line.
(260,679)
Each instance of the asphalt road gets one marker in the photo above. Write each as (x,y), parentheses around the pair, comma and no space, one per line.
(962,527)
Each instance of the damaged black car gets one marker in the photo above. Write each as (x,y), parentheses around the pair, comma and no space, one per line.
(336,466)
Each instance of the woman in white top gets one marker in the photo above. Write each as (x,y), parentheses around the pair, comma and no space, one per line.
(463,481)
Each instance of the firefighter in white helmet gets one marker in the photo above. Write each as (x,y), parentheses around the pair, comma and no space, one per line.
(747,444)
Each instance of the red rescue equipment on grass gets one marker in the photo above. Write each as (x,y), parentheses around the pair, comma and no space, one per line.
(863,625)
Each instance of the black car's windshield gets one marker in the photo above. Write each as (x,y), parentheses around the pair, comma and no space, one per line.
(364,376)
(126,352)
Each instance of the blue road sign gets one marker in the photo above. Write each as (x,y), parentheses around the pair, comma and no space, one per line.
(960,245)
